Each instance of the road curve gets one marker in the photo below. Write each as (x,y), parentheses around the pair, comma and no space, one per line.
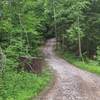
(72,83)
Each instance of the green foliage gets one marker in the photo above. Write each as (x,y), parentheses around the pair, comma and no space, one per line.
(90,65)
(74,18)
(72,33)
(25,23)
(16,49)
(20,21)
(22,86)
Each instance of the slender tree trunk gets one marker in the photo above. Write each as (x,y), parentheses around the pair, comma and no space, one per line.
(79,43)
(80,50)
(55,25)
(21,33)
(2,73)
(2,60)
(27,39)
(63,41)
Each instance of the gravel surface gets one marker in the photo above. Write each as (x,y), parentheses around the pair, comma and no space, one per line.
(72,83)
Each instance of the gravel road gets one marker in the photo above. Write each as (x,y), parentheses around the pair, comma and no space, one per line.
(71,83)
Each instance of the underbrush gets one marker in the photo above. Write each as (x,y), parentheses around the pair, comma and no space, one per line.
(22,86)
(90,65)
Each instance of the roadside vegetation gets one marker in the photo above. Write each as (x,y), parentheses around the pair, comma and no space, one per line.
(25,25)
(78,33)
(24,86)
(88,65)
(20,41)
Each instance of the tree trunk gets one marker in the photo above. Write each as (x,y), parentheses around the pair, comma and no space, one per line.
(79,43)
(55,25)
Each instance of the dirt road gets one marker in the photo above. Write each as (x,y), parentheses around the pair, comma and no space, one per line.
(72,83)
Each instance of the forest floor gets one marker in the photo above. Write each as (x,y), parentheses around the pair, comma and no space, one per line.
(71,83)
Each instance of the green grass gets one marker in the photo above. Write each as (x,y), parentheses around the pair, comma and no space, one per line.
(22,86)
(91,66)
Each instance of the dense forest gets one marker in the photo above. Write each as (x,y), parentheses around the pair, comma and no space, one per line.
(25,25)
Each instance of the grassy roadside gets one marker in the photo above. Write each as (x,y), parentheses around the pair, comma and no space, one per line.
(91,66)
(22,86)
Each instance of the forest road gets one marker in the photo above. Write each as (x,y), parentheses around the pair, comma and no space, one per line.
(72,83)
